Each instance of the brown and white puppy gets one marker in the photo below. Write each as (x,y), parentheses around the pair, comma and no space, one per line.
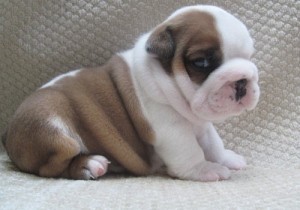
(149,107)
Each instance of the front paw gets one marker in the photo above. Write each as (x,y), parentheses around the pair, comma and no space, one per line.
(233,161)
(204,171)
(210,172)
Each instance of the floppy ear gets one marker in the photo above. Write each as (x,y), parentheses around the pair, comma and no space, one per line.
(161,43)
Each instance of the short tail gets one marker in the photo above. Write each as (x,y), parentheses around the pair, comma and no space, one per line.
(3,138)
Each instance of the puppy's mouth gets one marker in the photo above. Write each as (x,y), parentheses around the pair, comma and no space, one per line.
(240,88)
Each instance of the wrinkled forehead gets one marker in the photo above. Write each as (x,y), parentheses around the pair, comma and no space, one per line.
(234,37)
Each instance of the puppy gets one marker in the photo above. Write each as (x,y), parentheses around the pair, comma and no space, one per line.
(149,107)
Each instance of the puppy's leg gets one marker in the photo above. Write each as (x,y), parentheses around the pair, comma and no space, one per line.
(58,155)
(66,161)
(177,146)
(87,167)
(214,150)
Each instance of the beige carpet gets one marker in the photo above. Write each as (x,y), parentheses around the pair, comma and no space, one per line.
(40,39)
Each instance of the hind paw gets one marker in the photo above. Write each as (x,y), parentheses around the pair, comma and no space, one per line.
(88,167)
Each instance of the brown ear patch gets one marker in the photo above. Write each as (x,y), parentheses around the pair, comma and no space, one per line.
(161,43)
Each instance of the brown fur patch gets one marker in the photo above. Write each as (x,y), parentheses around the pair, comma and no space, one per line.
(193,36)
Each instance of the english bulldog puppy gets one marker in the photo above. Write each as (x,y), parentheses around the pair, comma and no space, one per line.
(150,107)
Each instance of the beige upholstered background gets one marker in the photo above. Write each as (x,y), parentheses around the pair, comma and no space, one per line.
(40,39)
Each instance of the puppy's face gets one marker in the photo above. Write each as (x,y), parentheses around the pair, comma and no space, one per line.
(206,51)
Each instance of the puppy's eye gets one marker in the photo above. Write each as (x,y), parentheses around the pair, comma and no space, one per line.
(201,63)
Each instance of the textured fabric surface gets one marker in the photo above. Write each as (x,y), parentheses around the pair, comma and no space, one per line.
(40,39)
(254,188)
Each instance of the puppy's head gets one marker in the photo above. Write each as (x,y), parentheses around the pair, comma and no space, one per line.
(206,52)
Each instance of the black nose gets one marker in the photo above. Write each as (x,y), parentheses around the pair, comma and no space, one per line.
(241,90)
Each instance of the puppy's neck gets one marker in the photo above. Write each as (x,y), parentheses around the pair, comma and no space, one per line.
(153,83)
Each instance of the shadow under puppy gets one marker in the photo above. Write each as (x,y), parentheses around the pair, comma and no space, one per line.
(147,108)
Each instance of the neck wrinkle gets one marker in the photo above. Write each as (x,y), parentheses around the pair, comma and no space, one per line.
(173,94)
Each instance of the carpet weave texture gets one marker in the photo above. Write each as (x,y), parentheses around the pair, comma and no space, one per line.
(41,39)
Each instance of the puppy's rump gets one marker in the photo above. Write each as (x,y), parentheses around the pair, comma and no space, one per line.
(93,111)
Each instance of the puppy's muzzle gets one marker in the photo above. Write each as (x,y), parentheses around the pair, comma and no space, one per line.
(228,91)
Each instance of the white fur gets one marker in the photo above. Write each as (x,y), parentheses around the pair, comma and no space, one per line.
(60,77)
(181,113)
(96,167)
